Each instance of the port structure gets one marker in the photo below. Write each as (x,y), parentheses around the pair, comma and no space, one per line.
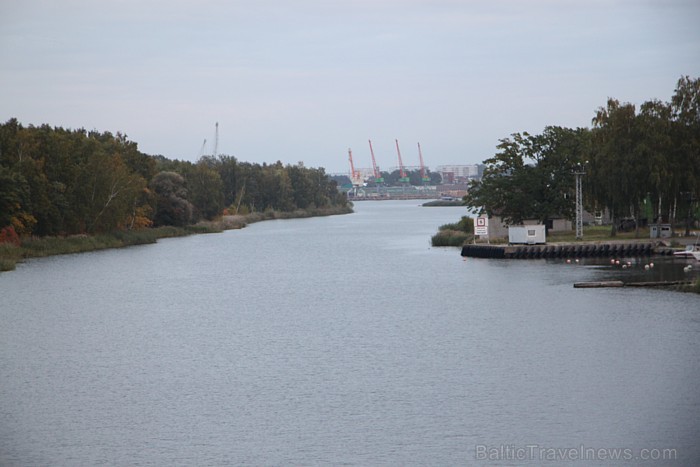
(355,175)
(423,176)
(377,174)
(404,178)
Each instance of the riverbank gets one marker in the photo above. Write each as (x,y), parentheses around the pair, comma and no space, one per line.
(37,247)
(443,203)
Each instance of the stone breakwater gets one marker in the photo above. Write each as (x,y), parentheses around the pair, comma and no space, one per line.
(565,250)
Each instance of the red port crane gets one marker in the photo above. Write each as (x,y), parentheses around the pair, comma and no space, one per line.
(423,176)
(355,176)
(404,178)
(377,174)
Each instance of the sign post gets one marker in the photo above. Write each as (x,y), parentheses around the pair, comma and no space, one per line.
(481,226)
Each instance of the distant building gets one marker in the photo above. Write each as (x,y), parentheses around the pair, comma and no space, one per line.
(460,173)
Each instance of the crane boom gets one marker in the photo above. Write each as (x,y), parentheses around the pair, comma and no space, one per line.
(355,177)
(404,178)
(377,175)
(423,176)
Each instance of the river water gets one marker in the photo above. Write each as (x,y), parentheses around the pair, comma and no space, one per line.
(340,340)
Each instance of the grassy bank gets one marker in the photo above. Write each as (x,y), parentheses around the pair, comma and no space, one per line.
(450,235)
(443,203)
(37,247)
(240,221)
(454,234)
(593,233)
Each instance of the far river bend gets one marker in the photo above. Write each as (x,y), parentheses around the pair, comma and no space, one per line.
(340,340)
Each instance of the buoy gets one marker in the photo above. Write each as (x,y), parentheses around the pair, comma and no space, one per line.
(617,262)
(568,261)
(646,267)
(577,260)
(612,261)
(688,268)
(624,266)
(651,265)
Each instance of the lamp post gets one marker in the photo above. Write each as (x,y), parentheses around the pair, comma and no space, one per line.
(579,172)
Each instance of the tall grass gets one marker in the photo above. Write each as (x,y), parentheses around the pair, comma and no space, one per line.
(9,255)
(450,237)
(455,234)
(35,247)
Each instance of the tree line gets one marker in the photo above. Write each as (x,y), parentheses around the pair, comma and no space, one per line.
(56,181)
(637,163)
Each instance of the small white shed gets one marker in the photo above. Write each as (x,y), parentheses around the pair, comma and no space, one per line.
(529,234)
(660,230)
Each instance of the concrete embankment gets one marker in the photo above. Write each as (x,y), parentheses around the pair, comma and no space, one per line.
(565,250)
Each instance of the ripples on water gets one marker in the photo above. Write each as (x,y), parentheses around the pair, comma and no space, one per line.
(335,340)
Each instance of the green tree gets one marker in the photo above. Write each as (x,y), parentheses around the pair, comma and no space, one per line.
(531,177)
(206,191)
(110,192)
(654,151)
(172,205)
(614,166)
(14,194)
(685,107)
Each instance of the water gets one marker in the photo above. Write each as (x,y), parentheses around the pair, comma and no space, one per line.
(339,340)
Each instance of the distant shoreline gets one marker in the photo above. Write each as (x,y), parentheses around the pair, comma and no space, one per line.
(443,203)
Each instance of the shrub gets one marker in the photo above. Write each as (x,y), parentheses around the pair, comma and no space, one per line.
(8,235)
(7,264)
(465,224)
(449,237)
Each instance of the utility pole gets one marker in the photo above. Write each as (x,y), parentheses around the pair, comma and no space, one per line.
(579,172)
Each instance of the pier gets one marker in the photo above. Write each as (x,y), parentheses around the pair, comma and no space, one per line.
(565,250)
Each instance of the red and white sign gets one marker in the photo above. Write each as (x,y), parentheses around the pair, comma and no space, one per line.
(481,226)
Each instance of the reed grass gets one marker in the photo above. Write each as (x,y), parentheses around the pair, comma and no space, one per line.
(450,237)
(37,247)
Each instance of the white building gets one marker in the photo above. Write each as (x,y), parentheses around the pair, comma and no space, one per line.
(454,173)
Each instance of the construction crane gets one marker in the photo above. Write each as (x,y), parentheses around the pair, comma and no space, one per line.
(355,176)
(404,178)
(377,174)
(216,139)
(423,175)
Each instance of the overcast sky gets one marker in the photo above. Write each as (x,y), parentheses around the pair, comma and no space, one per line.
(304,80)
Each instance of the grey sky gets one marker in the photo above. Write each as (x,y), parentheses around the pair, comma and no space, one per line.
(295,80)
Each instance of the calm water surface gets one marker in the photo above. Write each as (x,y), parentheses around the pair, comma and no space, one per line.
(340,340)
